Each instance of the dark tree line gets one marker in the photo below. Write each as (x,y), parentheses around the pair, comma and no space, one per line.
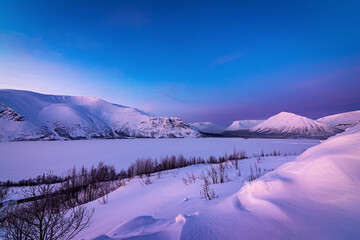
(80,179)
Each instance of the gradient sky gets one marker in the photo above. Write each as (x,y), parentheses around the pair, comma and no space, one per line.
(199,60)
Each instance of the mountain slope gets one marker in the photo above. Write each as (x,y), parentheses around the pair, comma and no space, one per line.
(32,116)
(342,120)
(243,124)
(286,123)
(207,127)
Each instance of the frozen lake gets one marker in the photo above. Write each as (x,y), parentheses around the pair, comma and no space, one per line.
(19,160)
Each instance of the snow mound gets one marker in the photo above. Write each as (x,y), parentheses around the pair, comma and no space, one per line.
(342,120)
(208,127)
(243,124)
(147,227)
(292,124)
(32,116)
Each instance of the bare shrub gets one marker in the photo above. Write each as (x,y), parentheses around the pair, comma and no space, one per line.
(255,172)
(223,176)
(47,216)
(147,180)
(206,191)
(213,174)
(3,193)
(262,153)
(189,179)
(239,172)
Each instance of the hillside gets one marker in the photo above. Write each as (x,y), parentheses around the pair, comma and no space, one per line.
(342,120)
(32,116)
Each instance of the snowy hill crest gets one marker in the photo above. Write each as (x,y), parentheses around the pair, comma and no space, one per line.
(342,120)
(290,123)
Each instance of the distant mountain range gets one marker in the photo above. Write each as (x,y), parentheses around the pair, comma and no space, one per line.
(208,127)
(28,115)
(243,124)
(288,125)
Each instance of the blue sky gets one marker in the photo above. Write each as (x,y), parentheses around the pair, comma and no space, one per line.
(198,60)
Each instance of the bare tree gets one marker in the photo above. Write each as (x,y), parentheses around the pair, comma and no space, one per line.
(3,193)
(46,215)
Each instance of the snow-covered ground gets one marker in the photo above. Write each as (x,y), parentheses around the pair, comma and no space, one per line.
(137,209)
(315,196)
(311,196)
(19,160)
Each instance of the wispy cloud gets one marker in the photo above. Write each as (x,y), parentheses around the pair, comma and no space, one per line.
(228,58)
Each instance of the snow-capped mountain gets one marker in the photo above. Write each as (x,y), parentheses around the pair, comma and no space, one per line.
(286,123)
(342,120)
(28,115)
(207,127)
(243,124)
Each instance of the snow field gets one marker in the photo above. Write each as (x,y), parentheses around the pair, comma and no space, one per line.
(22,160)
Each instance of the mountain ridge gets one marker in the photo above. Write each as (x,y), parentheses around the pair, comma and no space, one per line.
(26,115)
(290,123)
